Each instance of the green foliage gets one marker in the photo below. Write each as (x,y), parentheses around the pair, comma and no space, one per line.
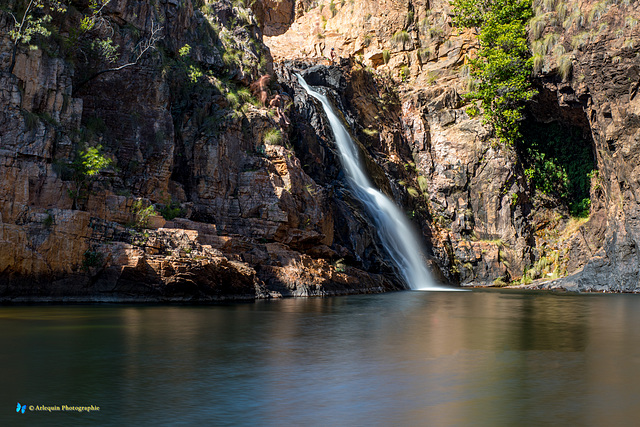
(549,266)
(106,49)
(233,99)
(339,265)
(424,54)
(477,13)
(273,137)
(435,33)
(473,111)
(92,259)
(400,38)
(404,73)
(92,39)
(423,184)
(32,22)
(538,62)
(85,168)
(91,162)
(499,283)
(386,56)
(559,163)
(194,73)
(371,132)
(194,84)
(432,77)
(48,221)
(410,17)
(184,50)
(565,66)
(244,94)
(537,25)
(504,64)
(31,120)
(142,213)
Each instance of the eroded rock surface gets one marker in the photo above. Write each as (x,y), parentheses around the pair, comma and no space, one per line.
(470,195)
(257,219)
(249,220)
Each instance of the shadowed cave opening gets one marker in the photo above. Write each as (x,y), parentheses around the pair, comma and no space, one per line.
(557,153)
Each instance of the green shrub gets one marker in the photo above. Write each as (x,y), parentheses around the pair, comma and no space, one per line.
(233,99)
(559,163)
(386,56)
(424,54)
(565,65)
(142,214)
(598,10)
(273,137)
(410,17)
(48,221)
(400,38)
(413,192)
(537,26)
(86,166)
(245,96)
(92,259)
(404,73)
(171,211)
(424,25)
(499,283)
(538,63)
(423,184)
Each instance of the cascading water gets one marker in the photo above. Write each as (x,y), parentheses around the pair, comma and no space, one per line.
(393,228)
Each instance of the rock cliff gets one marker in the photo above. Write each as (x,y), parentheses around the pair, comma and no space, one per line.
(472,196)
(203,197)
(207,195)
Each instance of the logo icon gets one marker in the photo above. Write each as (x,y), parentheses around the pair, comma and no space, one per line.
(21,408)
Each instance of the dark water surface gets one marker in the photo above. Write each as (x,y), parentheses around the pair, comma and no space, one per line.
(482,358)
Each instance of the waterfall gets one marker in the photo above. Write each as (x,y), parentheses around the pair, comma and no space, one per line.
(395,231)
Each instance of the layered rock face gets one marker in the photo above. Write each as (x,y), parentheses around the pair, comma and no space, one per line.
(242,218)
(455,183)
(600,40)
(252,210)
(471,196)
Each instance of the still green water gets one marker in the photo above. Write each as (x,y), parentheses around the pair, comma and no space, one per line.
(481,358)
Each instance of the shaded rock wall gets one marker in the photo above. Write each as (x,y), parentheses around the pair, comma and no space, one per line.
(260,220)
(251,222)
(603,81)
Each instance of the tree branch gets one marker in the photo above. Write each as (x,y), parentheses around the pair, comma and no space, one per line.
(144,46)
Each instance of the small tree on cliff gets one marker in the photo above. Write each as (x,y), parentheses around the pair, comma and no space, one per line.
(84,169)
(93,35)
(33,22)
(504,64)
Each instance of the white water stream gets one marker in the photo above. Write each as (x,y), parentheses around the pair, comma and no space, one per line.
(395,231)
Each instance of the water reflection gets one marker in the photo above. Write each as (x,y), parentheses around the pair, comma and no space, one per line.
(409,358)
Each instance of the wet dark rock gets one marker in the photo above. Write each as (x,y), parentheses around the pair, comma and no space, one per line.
(321,75)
